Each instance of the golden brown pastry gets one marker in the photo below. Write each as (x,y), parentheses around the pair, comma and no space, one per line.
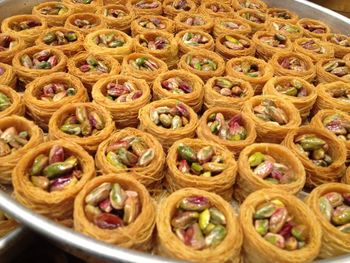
(171,8)
(117,16)
(289,29)
(205,64)
(168,120)
(159,44)
(143,66)
(6,224)
(250,4)
(122,96)
(146,7)
(256,19)
(269,43)
(336,122)
(296,90)
(87,124)
(234,45)
(48,177)
(26,27)
(227,25)
(261,243)
(314,48)
(332,70)
(222,244)
(227,92)
(180,85)
(151,23)
(282,14)
(330,203)
(268,166)
(8,76)
(340,43)
(83,6)
(46,94)
(201,164)
(334,95)
(54,13)
(146,162)
(90,67)
(67,40)
(195,21)
(110,42)
(314,28)
(11,103)
(10,44)
(215,9)
(194,40)
(227,127)
(85,23)
(38,61)
(256,71)
(273,116)
(321,153)
(132,230)
(17,136)
(293,64)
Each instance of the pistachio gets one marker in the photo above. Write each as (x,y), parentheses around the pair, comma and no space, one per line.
(217,217)
(126,157)
(40,162)
(183,166)
(122,92)
(109,40)
(24,25)
(98,194)
(335,199)
(5,101)
(262,226)
(264,169)
(92,64)
(266,210)
(315,149)
(41,182)
(341,215)
(59,38)
(108,221)
(184,219)
(194,39)
(201,63)
(63,182)
(146,157)
(187,153)
(194,203)
(278,219)
(91,212)
(291,243)
(56,154)
(204,219)
(195,237)
(117,196)
(216,236)
(177,85)
(256,159)
(275,239)
(299,232)
(131,208)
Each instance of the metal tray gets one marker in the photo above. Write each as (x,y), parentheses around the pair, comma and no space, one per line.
(90,249)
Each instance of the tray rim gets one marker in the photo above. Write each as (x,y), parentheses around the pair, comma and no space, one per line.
(96,248)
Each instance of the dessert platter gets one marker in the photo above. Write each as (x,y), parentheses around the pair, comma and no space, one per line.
(176,130)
